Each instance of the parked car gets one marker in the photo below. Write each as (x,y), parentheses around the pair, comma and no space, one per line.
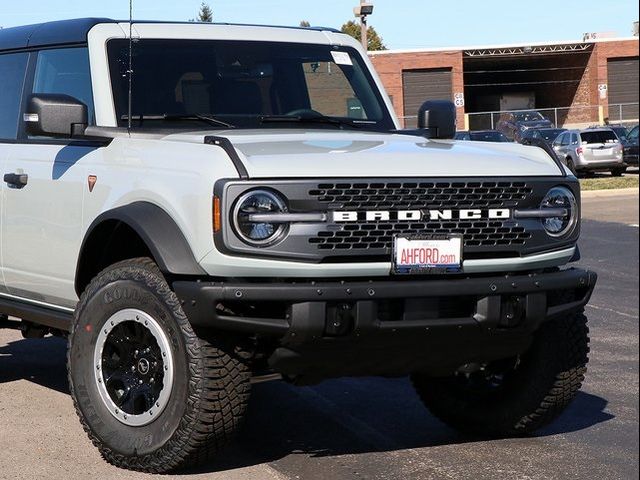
(482,136)
(202,215)
(593,149)
(621,131)
(514,124)
(631,148)
(546,134)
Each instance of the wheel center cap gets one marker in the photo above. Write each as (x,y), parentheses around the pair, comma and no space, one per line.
(143,366)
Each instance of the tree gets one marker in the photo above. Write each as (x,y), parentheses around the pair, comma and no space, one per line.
(205,14)
(305,23)
(374,41)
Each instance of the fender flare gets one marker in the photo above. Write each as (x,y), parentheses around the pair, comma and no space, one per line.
(158,231)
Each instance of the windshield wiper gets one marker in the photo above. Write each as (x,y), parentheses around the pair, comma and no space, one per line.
(311,119)
(211,120)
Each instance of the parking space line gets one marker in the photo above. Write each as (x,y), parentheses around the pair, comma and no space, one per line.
(597,307)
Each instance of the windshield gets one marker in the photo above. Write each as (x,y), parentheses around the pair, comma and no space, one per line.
(488,137)
(241,82)
(528,116)
(551,134)
(621,132)
(599,136)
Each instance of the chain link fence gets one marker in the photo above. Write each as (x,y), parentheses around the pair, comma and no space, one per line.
(580,116)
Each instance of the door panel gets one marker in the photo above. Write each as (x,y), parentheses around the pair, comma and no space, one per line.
(13,67)
(4,151)
(42,222)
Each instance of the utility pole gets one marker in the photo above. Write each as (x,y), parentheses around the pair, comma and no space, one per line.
(362,11)
(363,30)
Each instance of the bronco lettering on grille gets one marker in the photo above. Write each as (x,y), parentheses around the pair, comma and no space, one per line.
(409,215)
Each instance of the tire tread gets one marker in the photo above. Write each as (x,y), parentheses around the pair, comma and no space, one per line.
(218,392)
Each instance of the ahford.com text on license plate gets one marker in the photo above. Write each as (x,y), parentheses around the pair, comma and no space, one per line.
(423,254)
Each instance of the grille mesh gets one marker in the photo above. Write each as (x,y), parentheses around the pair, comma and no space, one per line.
(420,195)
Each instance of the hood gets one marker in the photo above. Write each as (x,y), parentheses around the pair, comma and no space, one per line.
(322,153)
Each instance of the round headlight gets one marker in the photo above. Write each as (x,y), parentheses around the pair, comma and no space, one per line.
(562,200)
(250,218)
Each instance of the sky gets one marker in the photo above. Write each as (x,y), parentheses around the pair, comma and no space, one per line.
(403,24)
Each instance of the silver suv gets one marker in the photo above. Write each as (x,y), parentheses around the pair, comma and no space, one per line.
(594,149)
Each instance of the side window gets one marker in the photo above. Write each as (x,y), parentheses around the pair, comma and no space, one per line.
(565,139)
(65,71)
(12,71)
(574,139)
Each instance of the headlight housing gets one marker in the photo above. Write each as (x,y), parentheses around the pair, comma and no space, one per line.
(259,233)
(563,200)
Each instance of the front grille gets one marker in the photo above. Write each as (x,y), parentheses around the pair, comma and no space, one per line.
(421,195)
(477,233)
(372,241)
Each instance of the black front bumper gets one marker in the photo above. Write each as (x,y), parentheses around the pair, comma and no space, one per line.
(389,326)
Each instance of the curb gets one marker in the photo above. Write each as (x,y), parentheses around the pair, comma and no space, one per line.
(612,192)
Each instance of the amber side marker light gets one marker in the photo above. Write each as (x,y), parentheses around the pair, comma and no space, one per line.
(91,181)
(217,218)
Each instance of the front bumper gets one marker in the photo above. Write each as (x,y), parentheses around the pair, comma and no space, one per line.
(387,327)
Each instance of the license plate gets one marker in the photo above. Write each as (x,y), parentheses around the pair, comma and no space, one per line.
(427,254)
(602,152)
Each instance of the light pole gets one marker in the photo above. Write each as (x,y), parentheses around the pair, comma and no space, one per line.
(362,11)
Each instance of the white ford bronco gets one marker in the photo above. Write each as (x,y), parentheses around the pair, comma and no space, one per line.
(207,206)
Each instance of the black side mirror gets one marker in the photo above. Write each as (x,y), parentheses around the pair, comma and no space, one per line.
(438,117)
(55,115)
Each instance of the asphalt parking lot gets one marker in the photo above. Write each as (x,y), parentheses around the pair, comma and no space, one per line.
(372,428)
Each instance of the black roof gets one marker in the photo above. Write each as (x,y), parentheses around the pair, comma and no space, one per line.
(74,31)
(50,33)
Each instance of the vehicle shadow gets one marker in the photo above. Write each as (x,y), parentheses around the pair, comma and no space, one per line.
(41,361)
(337,417)
(354,416)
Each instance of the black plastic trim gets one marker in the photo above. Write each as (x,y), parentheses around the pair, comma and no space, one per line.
(230,150)
(158,231)
(36,314)
(540,143)
(200,298)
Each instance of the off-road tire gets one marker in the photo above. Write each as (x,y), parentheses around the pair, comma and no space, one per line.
(210,388)
(546,379)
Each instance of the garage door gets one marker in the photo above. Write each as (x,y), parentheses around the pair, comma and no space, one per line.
(623,89)
(421,85)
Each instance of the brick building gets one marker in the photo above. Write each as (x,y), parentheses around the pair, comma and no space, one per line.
(572,83)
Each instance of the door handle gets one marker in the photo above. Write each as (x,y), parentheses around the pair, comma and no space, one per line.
(16,180)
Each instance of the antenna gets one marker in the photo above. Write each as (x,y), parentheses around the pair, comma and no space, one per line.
(130,70)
